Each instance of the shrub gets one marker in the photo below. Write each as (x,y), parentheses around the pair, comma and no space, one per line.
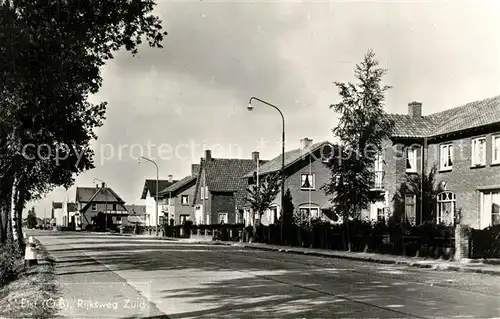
(10,262)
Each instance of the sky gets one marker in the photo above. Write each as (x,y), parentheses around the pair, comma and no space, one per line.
(193,94)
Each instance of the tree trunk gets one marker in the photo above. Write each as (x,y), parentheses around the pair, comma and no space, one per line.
(348,236)
(3,224)
(12,215)
(19,214)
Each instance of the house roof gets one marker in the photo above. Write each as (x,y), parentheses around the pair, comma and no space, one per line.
(106,194)
(92,194)
(470,115)
(136,209)
(291,157)
(150,184)
(178,185)
(225,175)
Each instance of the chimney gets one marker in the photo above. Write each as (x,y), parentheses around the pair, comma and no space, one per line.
(103,185)
(255,156)
(96,185)
(415,109)
(170,178)
(195,168)
(305,142)
(208,155)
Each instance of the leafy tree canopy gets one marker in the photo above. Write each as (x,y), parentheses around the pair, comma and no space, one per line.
(260,197)
(361,130)
(51,55)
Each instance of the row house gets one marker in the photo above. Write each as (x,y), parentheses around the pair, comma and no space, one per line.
(305,174)
(153,202)
(464,144)
(220,190)
(178,198)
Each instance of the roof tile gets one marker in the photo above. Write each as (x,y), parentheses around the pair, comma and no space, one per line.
(470,115)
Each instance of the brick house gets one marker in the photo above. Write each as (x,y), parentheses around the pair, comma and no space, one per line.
(220,191)
(305,173)
(464,143)
(91,201)
(149,196)
(178,197)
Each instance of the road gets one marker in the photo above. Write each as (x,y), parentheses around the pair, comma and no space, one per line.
(166,279)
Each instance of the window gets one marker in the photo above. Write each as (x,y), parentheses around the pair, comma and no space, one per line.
(379,163)
(206,192)
(305,212)
(446,156)
(184,199)
(380,214)
(222,218)
(410,210)
(446,208)
(411,160)
(490,208)
(94,207)
(478,151)
(202,192)
(495,154)
(183,219)
(114,207)
(207,218)
(307,181)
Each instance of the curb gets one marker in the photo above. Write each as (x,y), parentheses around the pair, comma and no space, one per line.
(373,260)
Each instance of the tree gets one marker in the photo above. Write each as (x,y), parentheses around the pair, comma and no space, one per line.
(425,188)
(361,130)
(261,196)
(32,220)
(52,54)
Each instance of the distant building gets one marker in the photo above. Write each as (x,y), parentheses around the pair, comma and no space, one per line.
(149,195)
(91,201)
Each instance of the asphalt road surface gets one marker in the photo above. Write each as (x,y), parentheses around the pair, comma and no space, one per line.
(165,279)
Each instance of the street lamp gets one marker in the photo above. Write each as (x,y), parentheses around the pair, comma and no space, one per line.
(106,207)
(157,178)
(250,108)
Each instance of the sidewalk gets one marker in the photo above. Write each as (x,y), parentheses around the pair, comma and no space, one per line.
(467,265)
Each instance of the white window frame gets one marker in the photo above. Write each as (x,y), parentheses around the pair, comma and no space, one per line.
(495,160)
(202,192)
(444,151)
(443,198)
(187,201)
(486,209)
(226,218)
(94,207)
(413,210)
(412,160)
(474,160)
(206,192)
(312,180)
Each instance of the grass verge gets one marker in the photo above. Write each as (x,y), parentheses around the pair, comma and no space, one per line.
(33,294)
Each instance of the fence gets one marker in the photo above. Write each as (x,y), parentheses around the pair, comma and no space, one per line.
(485,243)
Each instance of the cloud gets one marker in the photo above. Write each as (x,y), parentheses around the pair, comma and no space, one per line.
(219,54)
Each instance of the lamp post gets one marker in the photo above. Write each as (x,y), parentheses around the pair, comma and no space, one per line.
(250,108)
(156,200)
(106,207)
